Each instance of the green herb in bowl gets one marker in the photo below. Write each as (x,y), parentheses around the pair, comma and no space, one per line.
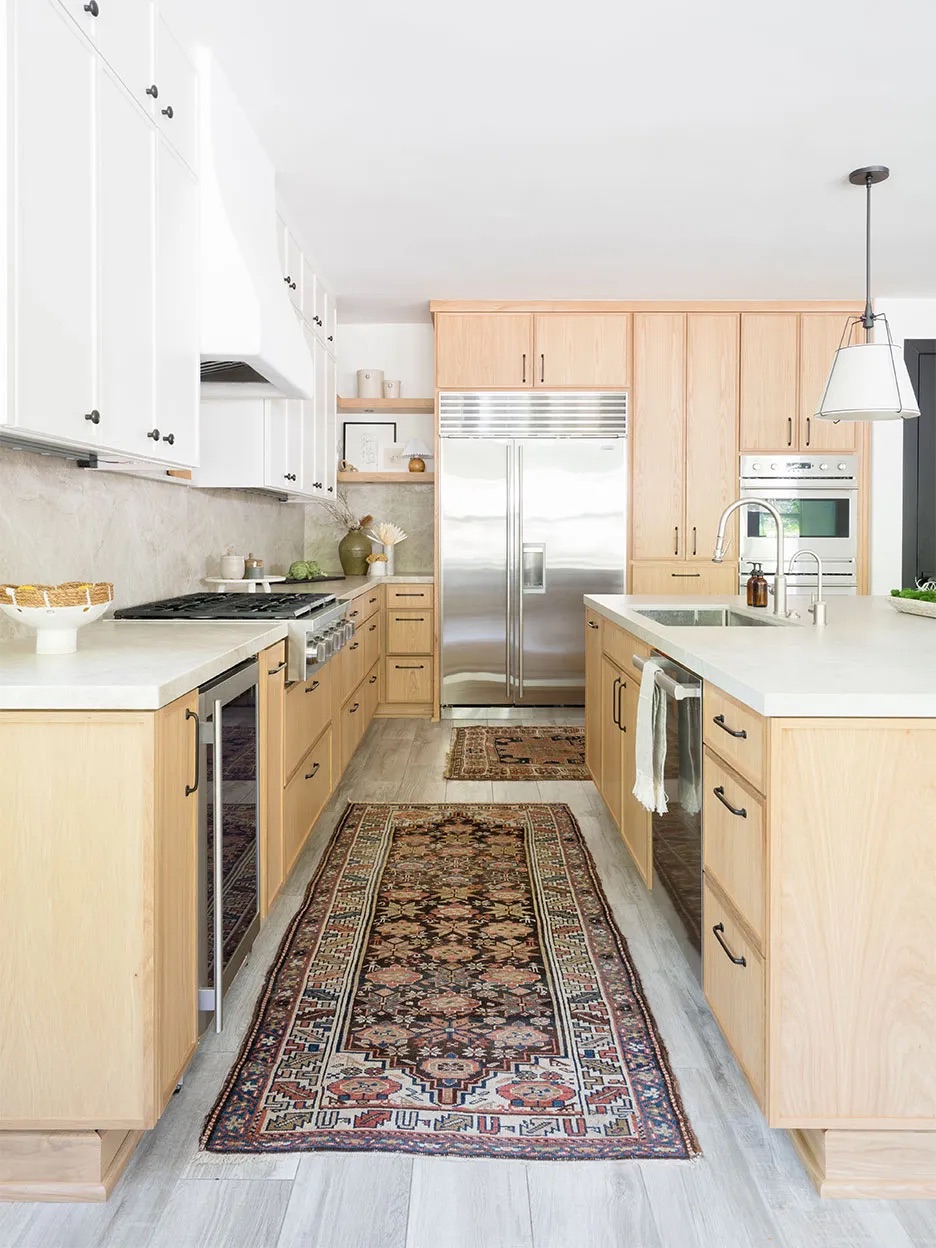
(919,595)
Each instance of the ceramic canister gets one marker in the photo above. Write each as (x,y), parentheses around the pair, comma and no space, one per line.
(232,567)
(370,383)
(391,389)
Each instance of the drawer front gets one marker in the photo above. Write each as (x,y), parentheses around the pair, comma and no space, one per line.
(736,733)
(353,660)
(308,710)
(735,989)
(364,606)
(408,678)
(370,692)
(733,841)
(370,634)
(353,724)
(306,795)
(409,595)
(409,632)
(621,646)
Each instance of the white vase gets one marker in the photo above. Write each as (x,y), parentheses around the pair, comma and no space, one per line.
(388,551)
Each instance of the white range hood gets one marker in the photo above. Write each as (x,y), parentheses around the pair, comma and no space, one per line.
(251,341)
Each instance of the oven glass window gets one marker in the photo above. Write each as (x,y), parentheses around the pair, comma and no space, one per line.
(802,518)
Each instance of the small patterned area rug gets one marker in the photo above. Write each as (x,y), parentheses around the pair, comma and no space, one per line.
(518,753)
(453,983)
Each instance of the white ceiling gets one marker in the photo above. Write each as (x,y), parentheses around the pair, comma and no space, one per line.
(599,149)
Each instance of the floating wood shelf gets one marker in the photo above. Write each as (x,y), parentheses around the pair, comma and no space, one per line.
(386,478)
(386,405)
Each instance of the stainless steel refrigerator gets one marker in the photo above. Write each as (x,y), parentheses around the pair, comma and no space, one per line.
(533,515)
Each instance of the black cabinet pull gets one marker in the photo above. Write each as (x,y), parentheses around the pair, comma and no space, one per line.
(372,681)
(372,627)
(352,614)
(403,594)
(355,646)
(356,707)
(371,601)
(685,575)
(154,434)
(92,8)
(622,685)
(693,539)
(409,667)
(614,701)
(312,688)
(153,91)
(524,369)
(170,438)
(94,416)
(717,930)
(591,624)
(789,436)
(808,429)
(542,367)
(271,671)
(313,772)
(167,112)
(409,619)
(732,732)
(676,539)
(735,810)
(192,788)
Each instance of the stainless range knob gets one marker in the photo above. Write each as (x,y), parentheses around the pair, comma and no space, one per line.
(321,651)
(348,631)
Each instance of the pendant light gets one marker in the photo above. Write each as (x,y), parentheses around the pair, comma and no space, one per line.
(869,380)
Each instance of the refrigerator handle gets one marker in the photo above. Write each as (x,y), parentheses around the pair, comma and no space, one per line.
(508,630)
(519,547)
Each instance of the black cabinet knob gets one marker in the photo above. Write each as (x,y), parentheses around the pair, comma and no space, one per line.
(292,285)
(170,438)
(92,8)
(316,485)
(94,416)
(167,112)
(331,337)
(288,280)
(153,91)
(331,489)
(154,434)
(289,476)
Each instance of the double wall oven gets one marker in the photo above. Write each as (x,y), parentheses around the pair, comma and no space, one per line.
(818,501)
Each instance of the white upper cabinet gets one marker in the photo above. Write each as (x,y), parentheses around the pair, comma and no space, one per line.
(310,296)
(331,425)
(176,106)
(52,338)
(126,286)
(178,325)
(290,262)
(123,32)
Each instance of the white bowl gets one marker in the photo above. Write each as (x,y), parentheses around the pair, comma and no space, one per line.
(56,627)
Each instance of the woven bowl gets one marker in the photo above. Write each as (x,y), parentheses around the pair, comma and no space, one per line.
(913,606)
(56,612)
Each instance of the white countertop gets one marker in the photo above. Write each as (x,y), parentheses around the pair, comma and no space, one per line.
(141,665)
(344,587)
(869,660)
(128,665)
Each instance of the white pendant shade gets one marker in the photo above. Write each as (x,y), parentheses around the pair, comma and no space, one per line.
(868,381)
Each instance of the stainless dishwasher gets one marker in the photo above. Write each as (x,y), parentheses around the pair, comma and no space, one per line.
(677,835)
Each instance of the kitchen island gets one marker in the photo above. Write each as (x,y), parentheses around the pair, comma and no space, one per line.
(819,864)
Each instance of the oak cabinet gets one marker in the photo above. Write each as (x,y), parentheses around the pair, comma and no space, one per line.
(409,632)
(593,628)
(684,435)
(785,363)
(408,679)
(581,350)
(618,695)
(612,746)
(271,701)
(484,350)
(684,577)
(305,797)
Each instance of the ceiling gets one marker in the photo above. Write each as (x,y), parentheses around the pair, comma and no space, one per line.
(513,149)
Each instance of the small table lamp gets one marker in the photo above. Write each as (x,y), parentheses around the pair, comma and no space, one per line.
(416,450)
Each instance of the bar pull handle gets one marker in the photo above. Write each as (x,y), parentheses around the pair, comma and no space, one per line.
(735,810)
(409,667)
(313,772)
(808,429)
(718,929)
(615,703)
(732,732)
(542,368)
(676,540)
(591,624)
(789,436)
(693,539)
(355,708)
(312,688)
(684,575)
(271,671)
(523,379)
(193,788)
(372,628)
(622,685)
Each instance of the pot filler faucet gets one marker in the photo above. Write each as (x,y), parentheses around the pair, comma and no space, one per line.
(780,607)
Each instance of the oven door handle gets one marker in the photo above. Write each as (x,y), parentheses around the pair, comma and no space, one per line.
(667,684)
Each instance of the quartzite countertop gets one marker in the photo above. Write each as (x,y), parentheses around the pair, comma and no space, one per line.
(868,661)
(142,665)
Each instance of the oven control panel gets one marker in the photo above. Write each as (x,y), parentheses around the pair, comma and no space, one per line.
(783,468)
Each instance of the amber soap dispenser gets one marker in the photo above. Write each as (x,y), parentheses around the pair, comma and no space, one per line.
(757,587)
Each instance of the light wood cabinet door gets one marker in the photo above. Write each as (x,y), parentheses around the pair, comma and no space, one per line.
(769,374)
(480,350)
(409,632)
(712,473)
(581,350)
(612,740)
(636,821)
(658,435)
(175,925)
(306,795)
(308,708)
(735,984)
(272,709)
(684,577)
(820,336)
(593,630)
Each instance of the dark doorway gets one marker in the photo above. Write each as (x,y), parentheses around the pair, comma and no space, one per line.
(919,466)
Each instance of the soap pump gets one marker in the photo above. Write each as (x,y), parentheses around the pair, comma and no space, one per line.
(757,587)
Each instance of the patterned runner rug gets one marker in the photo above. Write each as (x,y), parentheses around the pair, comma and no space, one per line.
(517,753)
(453,983)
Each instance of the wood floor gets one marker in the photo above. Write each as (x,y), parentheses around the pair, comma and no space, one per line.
(747,1191)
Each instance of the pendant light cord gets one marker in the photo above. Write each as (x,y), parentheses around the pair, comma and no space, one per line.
(868,319)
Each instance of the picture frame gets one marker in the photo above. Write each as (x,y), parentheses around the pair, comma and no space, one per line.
(392,458)
(363,442)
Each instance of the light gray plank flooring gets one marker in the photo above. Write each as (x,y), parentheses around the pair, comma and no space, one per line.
(748,1189)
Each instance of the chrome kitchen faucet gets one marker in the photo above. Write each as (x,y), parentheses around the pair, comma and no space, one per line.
(718,556)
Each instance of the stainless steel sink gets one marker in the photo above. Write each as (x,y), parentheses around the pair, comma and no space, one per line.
(709,617)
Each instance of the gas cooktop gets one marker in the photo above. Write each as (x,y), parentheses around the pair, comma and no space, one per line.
(229,607)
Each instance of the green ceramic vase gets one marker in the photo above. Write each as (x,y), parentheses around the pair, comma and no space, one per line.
(353,550)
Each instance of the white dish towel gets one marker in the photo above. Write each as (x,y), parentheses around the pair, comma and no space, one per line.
(650,746)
